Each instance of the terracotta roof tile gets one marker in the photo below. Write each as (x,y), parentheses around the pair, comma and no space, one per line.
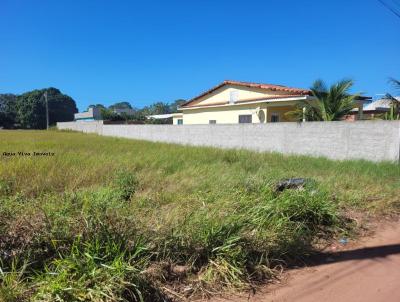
(271,87)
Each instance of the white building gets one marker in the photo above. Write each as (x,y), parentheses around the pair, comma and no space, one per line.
(92,114)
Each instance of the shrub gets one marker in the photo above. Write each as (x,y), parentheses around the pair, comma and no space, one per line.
(96,271)
(126,183)
(5,187)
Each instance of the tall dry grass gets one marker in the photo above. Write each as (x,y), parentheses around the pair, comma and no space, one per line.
(109,219)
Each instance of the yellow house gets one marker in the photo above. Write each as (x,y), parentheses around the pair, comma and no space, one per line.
(233,102)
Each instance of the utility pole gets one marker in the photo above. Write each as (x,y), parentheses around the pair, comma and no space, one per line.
(47,110)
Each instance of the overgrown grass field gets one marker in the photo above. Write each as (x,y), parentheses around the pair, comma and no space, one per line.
(108,219)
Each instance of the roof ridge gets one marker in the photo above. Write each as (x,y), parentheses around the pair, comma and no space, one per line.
(253,83)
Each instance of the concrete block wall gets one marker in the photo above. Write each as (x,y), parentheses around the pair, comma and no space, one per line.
(82,126)
(370,140)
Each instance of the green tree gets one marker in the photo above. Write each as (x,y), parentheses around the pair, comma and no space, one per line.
(8,110)
(156,108)
(109,115)
(173,107)
(61,106)
(100,106)
(394,112)
(31,108)
(329,104)
(121,105)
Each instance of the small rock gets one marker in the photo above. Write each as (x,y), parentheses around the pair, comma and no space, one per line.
(179,270)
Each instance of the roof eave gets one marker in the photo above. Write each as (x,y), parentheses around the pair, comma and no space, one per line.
(297,98)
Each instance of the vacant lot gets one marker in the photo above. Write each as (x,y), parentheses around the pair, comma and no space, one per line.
(106,219)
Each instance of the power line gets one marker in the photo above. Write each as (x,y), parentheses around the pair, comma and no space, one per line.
(389,8)
(47,110)
(396,1)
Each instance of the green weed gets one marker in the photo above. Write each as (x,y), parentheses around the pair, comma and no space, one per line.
(130,220)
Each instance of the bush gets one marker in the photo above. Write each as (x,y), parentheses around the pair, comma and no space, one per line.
(5,187)
(96,271)
(126,184)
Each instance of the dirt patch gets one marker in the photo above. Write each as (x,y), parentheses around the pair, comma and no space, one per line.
(367,270)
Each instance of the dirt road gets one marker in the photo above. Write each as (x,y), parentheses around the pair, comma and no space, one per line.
(369,271)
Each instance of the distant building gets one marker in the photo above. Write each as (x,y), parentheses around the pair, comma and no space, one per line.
(93,114)
(373,109)
(379,106)
(177,117)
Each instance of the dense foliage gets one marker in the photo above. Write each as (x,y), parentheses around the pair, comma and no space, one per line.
(28,110)
(394,111)
(330,104)
(140,116)
(173,107)
(132,220)
(121,105)
(8,110)
(99,106)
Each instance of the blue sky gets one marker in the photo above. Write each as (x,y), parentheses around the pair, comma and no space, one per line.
(147,51)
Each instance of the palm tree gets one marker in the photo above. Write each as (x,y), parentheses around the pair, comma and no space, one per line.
(394,113)
(329,104)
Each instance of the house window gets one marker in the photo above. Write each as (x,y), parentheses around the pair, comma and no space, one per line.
(274,118)
(245,119)
(212,121)
(180,121)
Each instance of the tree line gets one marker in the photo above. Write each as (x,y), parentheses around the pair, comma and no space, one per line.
(28,110)
(137,115)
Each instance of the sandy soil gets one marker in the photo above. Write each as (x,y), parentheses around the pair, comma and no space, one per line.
(367,271)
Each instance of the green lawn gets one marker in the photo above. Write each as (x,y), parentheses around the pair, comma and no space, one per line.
(108,219)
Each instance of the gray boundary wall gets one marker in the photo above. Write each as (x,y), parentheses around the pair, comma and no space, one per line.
(370,140)
(87,127)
